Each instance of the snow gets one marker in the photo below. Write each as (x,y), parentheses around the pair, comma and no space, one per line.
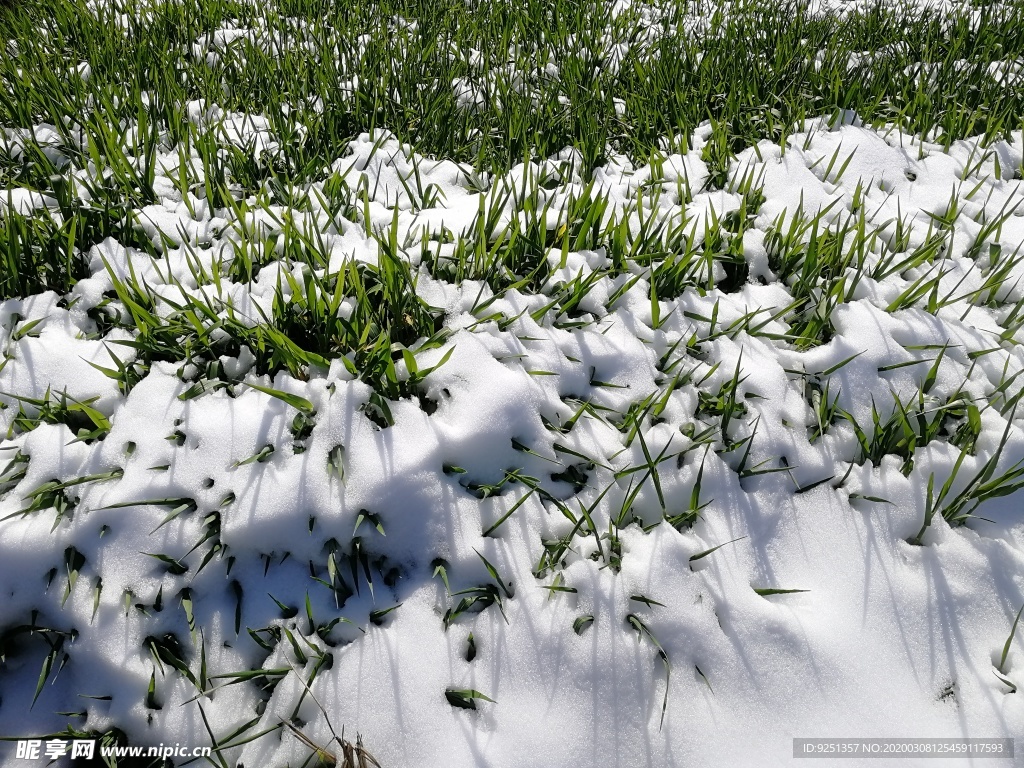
(882,630)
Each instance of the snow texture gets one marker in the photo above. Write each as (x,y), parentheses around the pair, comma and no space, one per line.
(886,637)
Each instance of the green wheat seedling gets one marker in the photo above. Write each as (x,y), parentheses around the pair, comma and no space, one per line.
(643,631)
(685,519)
(86,422)
(958,507)
(825,407)
(1000,668)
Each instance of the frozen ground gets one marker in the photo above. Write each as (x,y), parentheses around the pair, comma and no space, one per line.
(738,460)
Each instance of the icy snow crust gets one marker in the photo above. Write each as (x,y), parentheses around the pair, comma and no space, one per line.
(888,638)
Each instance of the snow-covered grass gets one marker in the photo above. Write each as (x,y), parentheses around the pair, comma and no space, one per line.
(511,383)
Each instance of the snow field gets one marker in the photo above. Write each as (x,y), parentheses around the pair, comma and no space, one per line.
(577,457)
(520,431)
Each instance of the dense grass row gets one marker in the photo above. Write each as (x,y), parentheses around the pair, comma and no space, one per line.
(551,70)
(114,80)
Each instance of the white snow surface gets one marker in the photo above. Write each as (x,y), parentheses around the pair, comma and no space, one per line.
(887,638)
